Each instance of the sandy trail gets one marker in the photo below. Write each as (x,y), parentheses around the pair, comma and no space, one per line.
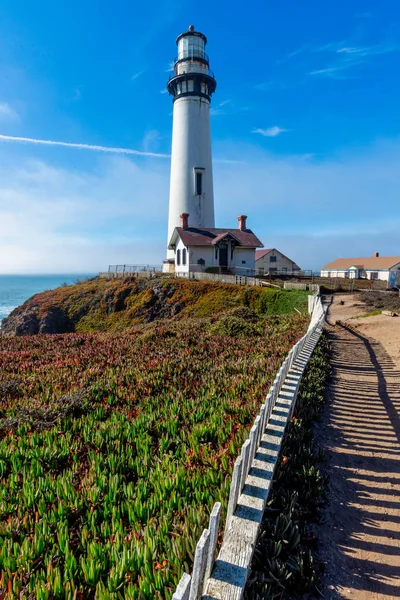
(360,432)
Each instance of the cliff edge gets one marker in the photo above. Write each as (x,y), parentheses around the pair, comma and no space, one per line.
(101,305)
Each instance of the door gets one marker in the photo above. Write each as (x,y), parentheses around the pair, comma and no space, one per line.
(223,256)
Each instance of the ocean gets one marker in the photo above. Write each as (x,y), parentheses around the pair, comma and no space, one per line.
(15,289)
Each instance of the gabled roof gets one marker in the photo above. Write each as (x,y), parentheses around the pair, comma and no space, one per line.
(200,236)
(223,235)
(371,262)
(262,253)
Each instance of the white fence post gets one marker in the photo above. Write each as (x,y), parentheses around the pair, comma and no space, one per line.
(262,424)
(245,454)
(234,493)
(253,442)
(199,566)
(268,404)
(183,589)
(213,529)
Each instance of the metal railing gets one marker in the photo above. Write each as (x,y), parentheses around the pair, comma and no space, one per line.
(207,71)
(134,268)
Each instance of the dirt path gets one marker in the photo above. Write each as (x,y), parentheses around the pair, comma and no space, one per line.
(360,432)
(381,328)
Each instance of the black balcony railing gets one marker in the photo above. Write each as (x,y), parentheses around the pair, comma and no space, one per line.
(209,72)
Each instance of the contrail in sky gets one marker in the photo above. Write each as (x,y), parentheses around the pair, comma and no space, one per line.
(25,140)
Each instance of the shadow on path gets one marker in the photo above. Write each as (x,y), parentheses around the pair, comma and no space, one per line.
(360,432)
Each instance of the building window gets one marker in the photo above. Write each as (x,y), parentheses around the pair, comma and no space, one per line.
(184,256)
(272,259)
(284,269)
(374,275)
(199,183)
(178,257)
(243,262)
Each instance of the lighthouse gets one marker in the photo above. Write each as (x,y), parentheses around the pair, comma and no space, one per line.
(191,185)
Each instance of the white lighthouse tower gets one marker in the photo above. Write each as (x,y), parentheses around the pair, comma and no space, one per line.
(191,185)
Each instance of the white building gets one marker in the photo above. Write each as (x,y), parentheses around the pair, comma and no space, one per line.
(385,268)
(191,184)
(272,261)
(226,250)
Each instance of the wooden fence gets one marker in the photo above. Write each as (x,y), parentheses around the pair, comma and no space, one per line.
(312,287)
(225,577)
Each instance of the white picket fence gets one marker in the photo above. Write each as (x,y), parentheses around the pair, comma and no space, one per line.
(225,578)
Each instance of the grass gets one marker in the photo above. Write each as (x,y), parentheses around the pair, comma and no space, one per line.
(114,446)
(103,305)
(371,313)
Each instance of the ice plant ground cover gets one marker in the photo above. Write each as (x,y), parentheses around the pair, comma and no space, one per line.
(115,446)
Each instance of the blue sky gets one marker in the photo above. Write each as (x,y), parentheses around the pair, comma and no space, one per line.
(305,126)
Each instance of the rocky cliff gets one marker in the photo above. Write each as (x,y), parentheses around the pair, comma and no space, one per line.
(99,304)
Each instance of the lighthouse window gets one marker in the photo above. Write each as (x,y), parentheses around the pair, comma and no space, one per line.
(178,257)
(191,47)
(199,183)
(184,256)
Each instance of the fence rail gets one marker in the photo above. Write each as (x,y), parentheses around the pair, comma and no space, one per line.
(134,268)
(225,577)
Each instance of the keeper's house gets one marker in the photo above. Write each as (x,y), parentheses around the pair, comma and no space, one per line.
(385,268)
(225,250)
(272,261)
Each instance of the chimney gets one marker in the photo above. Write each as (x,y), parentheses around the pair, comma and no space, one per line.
(184,220)
(376,254)
(242,222)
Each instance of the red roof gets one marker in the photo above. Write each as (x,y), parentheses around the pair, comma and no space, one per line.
(262,253)
(200,236)
(371,262)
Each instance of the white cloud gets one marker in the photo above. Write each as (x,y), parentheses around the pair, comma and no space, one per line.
(334,72)
(7,113)
(270,132)
(57,220)
(219,109)
(151,140)
(347,57)
(26,140)
(136,75)
(349,50)
(312,209)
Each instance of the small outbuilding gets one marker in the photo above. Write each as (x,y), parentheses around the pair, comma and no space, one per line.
(271,261)
(225,250)
(384,268)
